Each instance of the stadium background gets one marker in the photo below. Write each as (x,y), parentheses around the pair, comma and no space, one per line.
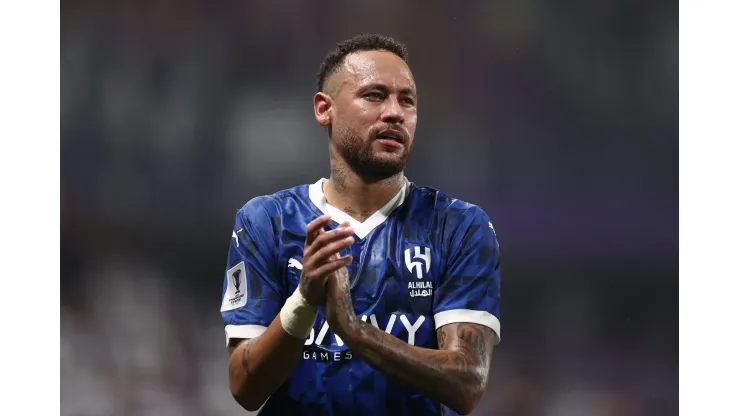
(559,118)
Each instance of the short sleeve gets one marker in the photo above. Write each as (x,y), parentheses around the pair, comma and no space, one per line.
(469,290)
(253,291)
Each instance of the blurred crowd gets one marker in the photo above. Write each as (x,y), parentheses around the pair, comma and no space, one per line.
(559,118)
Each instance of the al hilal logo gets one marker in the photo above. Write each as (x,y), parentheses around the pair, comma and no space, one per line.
(421,263)
(419,266)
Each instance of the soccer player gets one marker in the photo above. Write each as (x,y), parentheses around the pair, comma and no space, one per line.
(364,293)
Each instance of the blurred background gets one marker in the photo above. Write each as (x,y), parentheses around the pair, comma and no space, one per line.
(559,118)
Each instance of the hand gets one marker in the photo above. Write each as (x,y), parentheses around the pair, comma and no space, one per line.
(340,312)
(321,257)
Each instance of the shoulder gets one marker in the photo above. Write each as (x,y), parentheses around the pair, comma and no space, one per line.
(273,205)
(453,212)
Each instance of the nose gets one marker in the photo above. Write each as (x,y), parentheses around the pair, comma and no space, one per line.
(392,112)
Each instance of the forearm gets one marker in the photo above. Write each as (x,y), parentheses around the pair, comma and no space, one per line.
(258,366)
(452,377)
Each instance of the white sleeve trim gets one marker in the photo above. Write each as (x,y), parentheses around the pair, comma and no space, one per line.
(243,331)
(466,315)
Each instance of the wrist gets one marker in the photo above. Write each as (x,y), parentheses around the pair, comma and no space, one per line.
(307,299)
(298,316)
(350,330)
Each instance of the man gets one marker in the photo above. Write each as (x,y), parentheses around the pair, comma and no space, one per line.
(362,294)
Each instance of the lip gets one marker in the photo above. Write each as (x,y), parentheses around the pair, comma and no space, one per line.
(390,142)
(390,134)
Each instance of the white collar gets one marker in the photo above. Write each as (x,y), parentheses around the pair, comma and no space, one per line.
(362,229)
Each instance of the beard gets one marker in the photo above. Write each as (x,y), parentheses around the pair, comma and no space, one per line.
(359,155)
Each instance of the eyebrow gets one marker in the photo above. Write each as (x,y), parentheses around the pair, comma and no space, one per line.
(385,89)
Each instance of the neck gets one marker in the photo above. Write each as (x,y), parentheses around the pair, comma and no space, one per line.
(356,196)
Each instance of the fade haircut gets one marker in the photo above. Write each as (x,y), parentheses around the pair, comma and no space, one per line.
(364,42)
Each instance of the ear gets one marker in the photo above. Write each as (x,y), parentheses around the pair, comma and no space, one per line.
(322,105)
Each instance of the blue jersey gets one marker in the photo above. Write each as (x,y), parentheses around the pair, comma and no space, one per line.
(422,261)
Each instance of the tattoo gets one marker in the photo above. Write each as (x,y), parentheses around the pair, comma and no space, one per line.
(473,340)
(356,215)
(344,307)
(245,354)
(338,178)
(442,339)
(473,343)
(456,374)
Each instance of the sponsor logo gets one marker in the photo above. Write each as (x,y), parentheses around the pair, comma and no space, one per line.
(315,348)
(295,263)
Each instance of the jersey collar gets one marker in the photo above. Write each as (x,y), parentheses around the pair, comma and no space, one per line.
(362,229)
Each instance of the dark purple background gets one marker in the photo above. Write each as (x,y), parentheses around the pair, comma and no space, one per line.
(559,118)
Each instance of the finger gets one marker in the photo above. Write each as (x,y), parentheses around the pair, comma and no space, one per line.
(324,238)
(331,267)
(325,253)
(323,276)
(333,235)
(314,227)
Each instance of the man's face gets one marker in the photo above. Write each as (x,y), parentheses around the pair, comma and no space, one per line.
(374,113)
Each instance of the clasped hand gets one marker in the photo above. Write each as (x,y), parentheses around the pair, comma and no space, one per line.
(325,279)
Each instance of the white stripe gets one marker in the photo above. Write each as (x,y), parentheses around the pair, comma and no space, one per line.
(470,316)
(243,331)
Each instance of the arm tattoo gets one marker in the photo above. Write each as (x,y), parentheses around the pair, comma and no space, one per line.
(442,339)
(456,374)
(472,340)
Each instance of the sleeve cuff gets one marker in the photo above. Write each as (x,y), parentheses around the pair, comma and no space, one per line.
(243,332)
(470,316)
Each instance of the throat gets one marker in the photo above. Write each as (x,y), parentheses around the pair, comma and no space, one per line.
(357,199)
(359,215)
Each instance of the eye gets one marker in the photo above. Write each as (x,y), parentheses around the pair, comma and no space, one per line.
(374,96)
(408,100)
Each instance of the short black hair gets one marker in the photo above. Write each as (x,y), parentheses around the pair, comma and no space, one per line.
(364,42)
